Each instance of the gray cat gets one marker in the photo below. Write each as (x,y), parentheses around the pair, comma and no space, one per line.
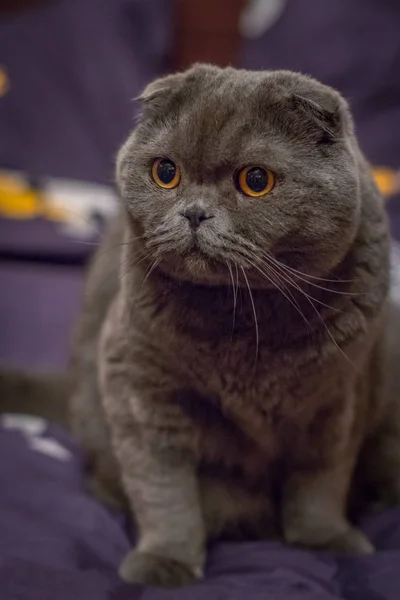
(226,363)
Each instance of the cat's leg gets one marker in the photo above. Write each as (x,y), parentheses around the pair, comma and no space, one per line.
(104,482)
(314,511)
(316,493)
(155,445)
(379,463)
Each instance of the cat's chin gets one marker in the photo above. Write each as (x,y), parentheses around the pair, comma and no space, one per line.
(200,269)
(196,264)
(197,268)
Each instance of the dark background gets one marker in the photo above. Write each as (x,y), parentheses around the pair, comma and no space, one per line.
(69,73)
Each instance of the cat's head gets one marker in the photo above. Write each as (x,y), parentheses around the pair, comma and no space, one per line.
(231,169)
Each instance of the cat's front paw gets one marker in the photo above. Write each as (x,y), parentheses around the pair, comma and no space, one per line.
(149,569)
(353,541)
(341,540)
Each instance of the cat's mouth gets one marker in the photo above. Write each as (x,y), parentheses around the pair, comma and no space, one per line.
(194,263)
(196,259)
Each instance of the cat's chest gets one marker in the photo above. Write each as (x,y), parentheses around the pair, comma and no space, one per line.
(248,417)
(244,369)
(258,389)
(269,392)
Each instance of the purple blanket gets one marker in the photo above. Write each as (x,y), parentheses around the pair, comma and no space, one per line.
(57,542)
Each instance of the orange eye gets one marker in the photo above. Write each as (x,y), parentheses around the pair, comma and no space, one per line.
(165,173)
(255,181)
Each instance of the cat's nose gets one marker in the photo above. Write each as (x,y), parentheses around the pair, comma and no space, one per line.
(196,215)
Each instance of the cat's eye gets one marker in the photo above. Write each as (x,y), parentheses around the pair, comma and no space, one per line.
(255,181)
(165,173)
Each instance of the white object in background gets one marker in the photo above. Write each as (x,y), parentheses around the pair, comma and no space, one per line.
(32,428)
(82,203)
(26,424)
(50,447)
(259,16)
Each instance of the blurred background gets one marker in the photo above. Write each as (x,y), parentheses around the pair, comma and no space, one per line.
(69,73)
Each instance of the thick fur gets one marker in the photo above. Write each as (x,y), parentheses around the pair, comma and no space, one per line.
(234,368)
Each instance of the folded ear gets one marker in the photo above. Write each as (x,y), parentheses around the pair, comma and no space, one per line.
(156,93)
(326,109)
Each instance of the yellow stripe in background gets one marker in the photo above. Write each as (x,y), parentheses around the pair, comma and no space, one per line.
(19,201)
(4,82)
(387,180)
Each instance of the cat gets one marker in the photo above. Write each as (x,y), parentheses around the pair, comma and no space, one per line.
(226,361)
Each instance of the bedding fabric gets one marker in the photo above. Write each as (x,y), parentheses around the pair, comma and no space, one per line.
(58,542)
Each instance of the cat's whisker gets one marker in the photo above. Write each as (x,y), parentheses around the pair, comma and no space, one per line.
(254,311)
(287,294)
(294,284)
(282,273)
(237,239)
(309,276)
(131,266)
(121,263)
(315,285)
(157,243)
(237,278)
(114,246)
(234,293)
(237,281)
(160,231)
(86,243)
(153,266)
(238,287)
(310,301)
(330,334)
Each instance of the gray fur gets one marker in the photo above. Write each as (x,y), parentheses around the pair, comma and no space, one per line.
(245,422)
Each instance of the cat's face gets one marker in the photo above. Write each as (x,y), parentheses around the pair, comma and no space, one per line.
(231,170)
